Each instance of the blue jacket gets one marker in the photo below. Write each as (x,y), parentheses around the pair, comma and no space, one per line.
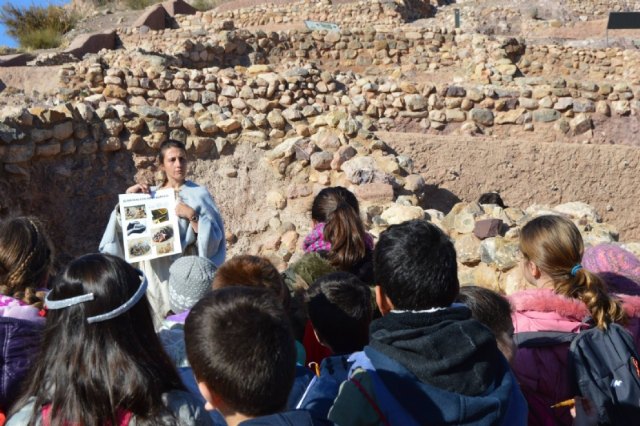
(421,368)
(287,418)
(323,389)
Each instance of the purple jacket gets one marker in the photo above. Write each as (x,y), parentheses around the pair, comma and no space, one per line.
(543,372)
(20,333)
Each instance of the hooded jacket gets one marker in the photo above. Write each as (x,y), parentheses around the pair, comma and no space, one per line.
(429,367)
(20,332)
(543,373)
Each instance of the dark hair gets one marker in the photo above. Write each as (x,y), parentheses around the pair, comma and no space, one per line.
(338,208)
(168,144)
(555,246)
(240,344)
(415,265)
(491,198)
(252,271)
(90,371)
(490,308)
(340,309)
(26,259)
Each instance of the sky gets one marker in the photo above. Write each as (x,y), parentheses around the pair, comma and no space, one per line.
(5,40)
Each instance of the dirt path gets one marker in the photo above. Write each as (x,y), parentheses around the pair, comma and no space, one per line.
(527,172)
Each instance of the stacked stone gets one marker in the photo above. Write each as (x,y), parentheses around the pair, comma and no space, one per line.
(349,15)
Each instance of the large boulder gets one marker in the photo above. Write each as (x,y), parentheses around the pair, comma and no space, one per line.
(154,17)
(92,43)
(178,7)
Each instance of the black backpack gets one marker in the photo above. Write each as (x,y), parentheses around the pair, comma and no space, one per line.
(603,366)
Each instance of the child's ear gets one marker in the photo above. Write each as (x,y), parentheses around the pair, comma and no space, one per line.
(384,304)
(534,270)
(211,398)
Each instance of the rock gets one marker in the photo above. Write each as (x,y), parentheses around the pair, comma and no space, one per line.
(63,131)
(467,249)
(583,105)
(455,115)
(487,228)
(456,91)
(111,91)
(150,112)
(276,120)
(398,214)
(563,103)
(321,160)
(414,183)
(578,210)
(174,96)
(580,123)
(500,252)
(276,200)
(415,102)
(482,116)
(464,222)
(299,191)
(546,115)
(110,144)
(509,117)
(378,193)
(229,125)
(361,170)
(285,148)
(113,126)
(621,108)
(344,153)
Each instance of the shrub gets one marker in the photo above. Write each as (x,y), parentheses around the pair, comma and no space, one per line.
(37,27)
(203,5)
(140,4)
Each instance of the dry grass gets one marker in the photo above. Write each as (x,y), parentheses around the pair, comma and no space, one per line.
(140,4)
(37,27)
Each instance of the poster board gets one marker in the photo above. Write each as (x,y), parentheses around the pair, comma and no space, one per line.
(149,225)
(317,26)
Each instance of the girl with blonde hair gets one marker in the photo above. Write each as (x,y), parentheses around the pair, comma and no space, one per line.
(567,298)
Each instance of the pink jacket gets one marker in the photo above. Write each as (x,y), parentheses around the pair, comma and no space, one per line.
(543,372)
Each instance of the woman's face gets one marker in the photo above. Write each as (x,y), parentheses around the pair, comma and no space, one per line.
(174,165)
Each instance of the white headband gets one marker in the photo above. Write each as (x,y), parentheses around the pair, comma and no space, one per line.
(65,303)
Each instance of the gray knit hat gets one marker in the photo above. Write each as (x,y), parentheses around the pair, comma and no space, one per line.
(189,280)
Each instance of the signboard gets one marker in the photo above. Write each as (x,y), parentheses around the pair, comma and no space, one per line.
(623,21)
(317,26)
(149,225)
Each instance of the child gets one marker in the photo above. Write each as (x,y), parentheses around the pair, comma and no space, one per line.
(101,361)
(241,348)
(255,271)
(494,311)
(428,361)
(337,242)
(26,262)
(565,294)
(339,307)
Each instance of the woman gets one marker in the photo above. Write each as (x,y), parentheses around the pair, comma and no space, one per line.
(26,259)
(566,295)
(201,227)
(101,362)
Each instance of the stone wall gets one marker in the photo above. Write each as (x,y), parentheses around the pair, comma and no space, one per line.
(347,15)
(214,102)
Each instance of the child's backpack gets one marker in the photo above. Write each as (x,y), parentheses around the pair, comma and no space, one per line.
(603,366)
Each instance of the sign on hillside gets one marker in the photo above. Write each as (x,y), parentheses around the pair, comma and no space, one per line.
(316,26)
(623,21)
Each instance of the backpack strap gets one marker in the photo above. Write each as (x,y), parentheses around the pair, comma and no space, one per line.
(538,339)
(370,400)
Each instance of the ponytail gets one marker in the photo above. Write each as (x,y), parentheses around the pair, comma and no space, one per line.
(592,291)
(555,245)
(345,231)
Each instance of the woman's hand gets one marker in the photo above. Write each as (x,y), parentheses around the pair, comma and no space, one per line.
(186,212)
(137,188)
